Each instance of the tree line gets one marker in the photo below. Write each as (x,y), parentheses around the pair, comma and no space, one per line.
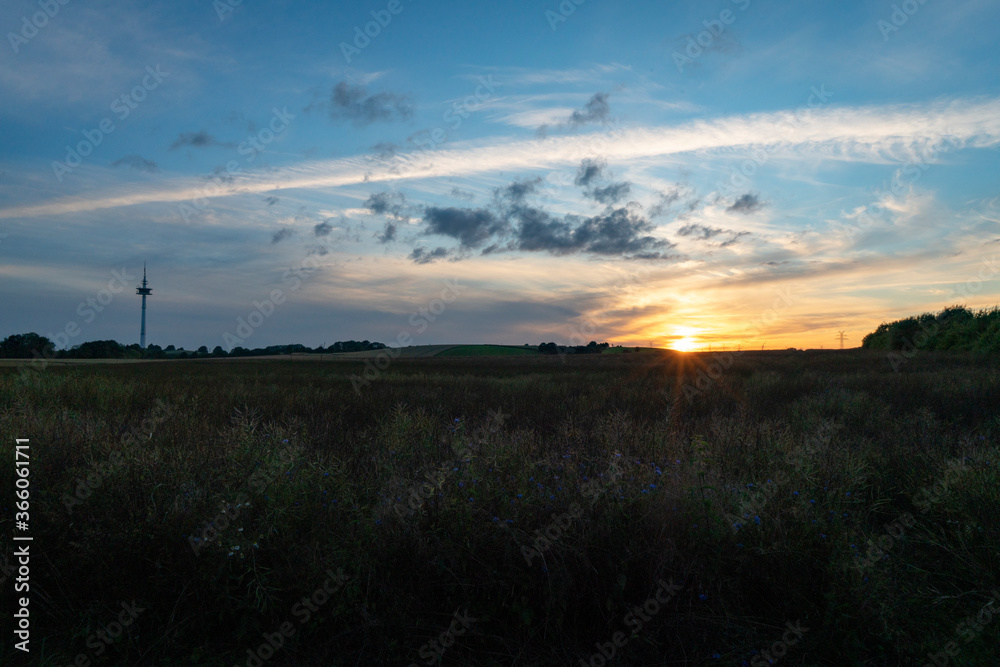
(956,328)
(32,345)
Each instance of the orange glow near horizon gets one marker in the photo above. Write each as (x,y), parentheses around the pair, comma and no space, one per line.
(685,344)
(685,339)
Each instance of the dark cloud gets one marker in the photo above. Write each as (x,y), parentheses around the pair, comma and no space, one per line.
(221,175)
(303,214)
(589,170)
(664,202)
(700,231)
(465,195)
(324,228)
(353,103)
(472,227)
(384,150)
(611,194)
(516,193)
(271,201)
(282,234)
(511,224)
(387,203)
(747,204)
(617,232)
(388,234)
(200,139)
(595,111)
(705,233)
(734,239)
(423,256)
(137,162)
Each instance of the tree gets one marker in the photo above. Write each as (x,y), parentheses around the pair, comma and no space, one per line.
(218,351)
(25,346)
(203,351)
(98,349)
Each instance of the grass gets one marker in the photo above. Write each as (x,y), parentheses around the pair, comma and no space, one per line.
(488,351)
(545,496)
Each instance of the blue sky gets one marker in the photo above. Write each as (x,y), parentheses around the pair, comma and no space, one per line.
(729,173)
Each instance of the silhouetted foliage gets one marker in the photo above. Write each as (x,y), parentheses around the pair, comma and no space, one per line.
(24,346)
(955,328)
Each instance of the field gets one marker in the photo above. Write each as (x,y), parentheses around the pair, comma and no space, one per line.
(811,508)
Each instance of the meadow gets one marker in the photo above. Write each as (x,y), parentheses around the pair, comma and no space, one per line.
(651,508)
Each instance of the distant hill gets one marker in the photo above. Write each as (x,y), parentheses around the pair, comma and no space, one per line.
(956,328)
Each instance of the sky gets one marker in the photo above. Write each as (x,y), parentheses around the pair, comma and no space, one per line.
(729,173)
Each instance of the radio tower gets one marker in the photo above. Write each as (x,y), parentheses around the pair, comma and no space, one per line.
(841,337)
(144,291)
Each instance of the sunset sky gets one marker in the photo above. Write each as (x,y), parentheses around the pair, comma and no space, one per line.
(732,172)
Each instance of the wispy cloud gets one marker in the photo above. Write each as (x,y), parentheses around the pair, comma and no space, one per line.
(136,162)
(883,134)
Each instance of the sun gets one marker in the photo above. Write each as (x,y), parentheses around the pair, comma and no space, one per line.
(685,344)
(686,339)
